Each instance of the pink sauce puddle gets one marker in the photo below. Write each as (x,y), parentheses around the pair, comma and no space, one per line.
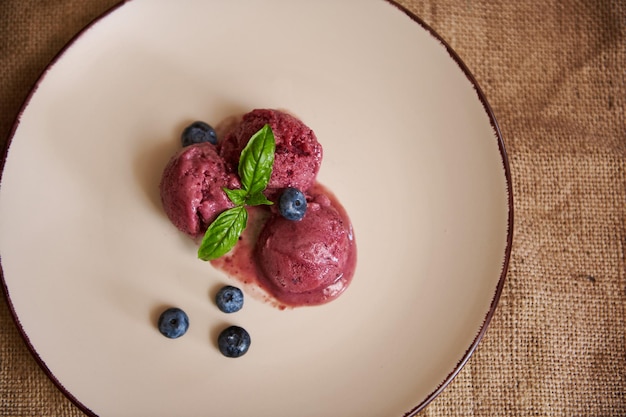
(241,262)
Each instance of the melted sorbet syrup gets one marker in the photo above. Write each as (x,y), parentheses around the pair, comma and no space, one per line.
(241,262)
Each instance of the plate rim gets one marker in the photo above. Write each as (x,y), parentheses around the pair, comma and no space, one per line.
(510,218)
(505,165)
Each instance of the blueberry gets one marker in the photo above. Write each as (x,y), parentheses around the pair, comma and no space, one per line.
(292,204)
(229,299)
(233,341)
(173,323)
(198,132)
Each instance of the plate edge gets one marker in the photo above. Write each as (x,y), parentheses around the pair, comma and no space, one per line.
(3,159)
(510,219)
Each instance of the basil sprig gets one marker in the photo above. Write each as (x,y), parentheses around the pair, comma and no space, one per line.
(255,168)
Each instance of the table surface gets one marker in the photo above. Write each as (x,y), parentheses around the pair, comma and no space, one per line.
(554,74)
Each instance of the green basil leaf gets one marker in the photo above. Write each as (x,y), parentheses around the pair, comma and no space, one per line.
(223,233)
(256,161)
(255,168)
(257,199)
(238,197)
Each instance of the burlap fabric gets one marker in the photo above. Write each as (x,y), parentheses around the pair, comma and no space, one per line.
(554,73)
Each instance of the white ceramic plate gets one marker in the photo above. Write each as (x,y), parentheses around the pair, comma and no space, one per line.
(411,149)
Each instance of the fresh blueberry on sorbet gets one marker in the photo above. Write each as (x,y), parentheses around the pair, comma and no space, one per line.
(198,132)
(229,299)
(292,204)
(173,323)
(233,341)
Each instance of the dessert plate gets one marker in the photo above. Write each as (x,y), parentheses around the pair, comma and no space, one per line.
(411,149)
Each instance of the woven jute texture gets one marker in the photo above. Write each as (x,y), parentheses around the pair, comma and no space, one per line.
(554,74)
